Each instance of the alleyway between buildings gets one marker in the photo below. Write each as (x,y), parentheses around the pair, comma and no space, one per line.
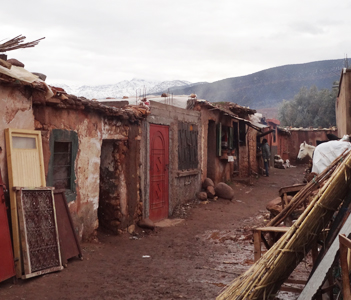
(193,260)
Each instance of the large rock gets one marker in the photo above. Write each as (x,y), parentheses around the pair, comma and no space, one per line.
(146,223)
(202,196)
(274,206)
(207,182)
(210,192)
(224,191)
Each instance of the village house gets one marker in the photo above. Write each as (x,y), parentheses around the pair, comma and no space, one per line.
(228,140)
(286,142)
(90,150)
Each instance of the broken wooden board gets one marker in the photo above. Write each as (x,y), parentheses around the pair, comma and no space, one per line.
(38,231)
(25,163)
(68,239)
(320,274)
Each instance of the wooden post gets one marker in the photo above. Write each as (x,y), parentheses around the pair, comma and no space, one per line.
(344,243)
(257,244)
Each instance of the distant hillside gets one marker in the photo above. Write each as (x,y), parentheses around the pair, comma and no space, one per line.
(269,87)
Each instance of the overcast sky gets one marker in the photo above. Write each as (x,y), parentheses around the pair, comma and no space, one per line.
(104,42)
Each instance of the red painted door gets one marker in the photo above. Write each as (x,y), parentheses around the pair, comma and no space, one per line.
(7,266)
(158,196)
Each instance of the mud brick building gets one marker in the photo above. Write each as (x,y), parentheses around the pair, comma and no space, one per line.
(90,150)
(228,140)
(171,156)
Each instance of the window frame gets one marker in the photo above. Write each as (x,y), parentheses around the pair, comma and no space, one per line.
(187,146)
(65,136)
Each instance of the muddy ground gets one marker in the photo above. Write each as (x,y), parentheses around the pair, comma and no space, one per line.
(193,260)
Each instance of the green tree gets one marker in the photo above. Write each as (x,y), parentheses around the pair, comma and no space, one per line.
(310,107)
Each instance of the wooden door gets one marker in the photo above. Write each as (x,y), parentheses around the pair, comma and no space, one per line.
(25,169)
(7,269)
(158,196)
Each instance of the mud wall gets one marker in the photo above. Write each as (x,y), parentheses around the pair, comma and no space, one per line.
(15,112)
(92,129)
(343,105)
(220,170)
(119,197)
(309,136)
(183,185)
(252,149)
(214,167)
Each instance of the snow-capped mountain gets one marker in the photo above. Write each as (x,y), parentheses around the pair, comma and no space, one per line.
(123,88)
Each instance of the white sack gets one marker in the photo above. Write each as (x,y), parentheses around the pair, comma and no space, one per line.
(325,154)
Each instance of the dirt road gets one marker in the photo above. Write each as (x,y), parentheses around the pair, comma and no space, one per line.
(193,260)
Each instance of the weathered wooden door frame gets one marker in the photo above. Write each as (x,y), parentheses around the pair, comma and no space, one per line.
(9,133)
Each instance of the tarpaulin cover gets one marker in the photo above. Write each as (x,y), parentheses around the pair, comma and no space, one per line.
(19,73)
(325,154)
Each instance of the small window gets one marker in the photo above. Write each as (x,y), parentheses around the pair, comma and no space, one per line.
(62,165)
(21,142)
(63,149)
(187,146)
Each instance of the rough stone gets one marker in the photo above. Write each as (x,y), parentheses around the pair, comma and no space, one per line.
(146,223)
(131,229)
(274,206)
(207,182)
(15,62)
(202,196)
(224,191)
(40,75)
(210,192)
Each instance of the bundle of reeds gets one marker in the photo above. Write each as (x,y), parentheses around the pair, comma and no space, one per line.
(265,277)
(16,43)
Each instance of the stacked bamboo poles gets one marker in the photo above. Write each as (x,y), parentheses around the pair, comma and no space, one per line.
(266,276)
(15,43)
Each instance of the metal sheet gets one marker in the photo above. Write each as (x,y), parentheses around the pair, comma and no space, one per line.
(319,275)
(7,269)
(38,231)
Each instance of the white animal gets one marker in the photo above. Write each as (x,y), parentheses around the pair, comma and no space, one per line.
(324,154)
(305,149)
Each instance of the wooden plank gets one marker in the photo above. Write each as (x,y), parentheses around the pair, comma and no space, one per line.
(291,289)
(25,168)
(257,245)
(345,241)
(290,189)
(68,240)
(273,229)
(318,277)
